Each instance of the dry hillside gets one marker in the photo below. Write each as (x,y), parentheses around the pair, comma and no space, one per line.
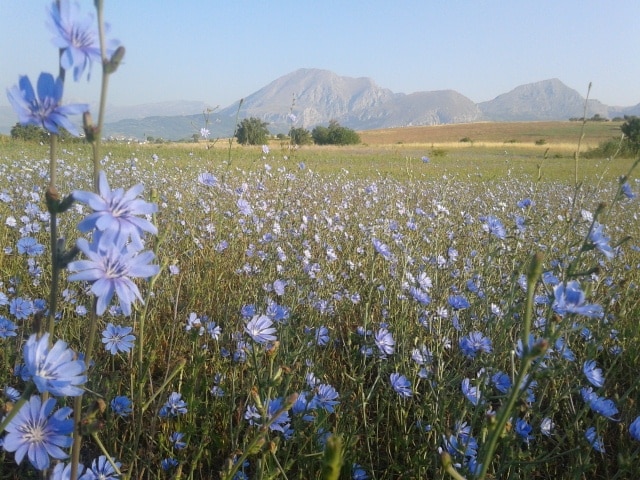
(495,132)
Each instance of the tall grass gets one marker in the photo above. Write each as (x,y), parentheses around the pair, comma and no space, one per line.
(312,227)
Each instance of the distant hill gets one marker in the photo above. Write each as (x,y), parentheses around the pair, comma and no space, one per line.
(546,100)
(316,97)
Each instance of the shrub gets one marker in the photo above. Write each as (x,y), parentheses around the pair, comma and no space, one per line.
(300,136)
(252,131)
(631,130)
(334,134)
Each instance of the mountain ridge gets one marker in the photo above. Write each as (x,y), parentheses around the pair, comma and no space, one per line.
(317,96)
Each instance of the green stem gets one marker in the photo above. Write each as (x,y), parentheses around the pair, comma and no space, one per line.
(77,401)
(528,355)
(52,199)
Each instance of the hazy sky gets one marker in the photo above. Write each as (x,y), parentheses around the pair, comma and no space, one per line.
(220,51)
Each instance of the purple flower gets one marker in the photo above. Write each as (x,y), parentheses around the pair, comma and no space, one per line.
(627,191)
(260,330)
(634,429)
(21,308)
(121,406)
(501,381)
(385,342)
(101,469)
(174,406)
(117,338)
(494,227)
(322,336)
(207,179)
(30,247)
(55,370)
(244,207)
(382,248)
(523,429)
(62,471)
(168,463)
(7,328)
(594,440)
(600,241)
(117,211)
(326,397)
(458,302)
(110,267)
(281,422)
(475,343)
(176,440)
(77,36)
(36,433)
(471,392)
(44,111)
(571,299)
(401,385)
(593,373)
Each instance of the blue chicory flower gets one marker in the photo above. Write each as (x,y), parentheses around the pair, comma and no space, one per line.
(494,226)
(594,440)
(260,330)
(117,211)
(570,298)
(325,397)
(36,433)
(471,392)
(475,343)
(76,35)
(110,265)
(30,247)
(634,429)
(593,373)
(7,328)
(174,406)
(121,406)
(117,338)
(401,385)
(600,241)
(101,469)
(385,342)
(55,370)
(45,110)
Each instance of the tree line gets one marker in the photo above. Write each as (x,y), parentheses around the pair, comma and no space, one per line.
(253,131)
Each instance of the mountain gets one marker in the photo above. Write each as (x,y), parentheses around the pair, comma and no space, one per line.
(316,97)
(159,109)
(546,100)
(319,96)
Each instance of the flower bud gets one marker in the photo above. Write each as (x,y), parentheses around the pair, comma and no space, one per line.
(112,65)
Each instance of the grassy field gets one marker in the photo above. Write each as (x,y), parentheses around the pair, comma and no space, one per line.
(508,134)
(426,316)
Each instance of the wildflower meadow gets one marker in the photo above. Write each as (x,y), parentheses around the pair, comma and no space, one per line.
(254,313)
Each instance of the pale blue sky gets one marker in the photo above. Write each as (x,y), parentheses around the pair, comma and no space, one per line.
(220,51)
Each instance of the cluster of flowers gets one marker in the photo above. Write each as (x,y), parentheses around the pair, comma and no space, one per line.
(114,256)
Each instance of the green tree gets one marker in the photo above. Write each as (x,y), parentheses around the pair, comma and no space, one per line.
(300,136)
(29,133)
(252,131)
(34,133)
(631,130)
(320,135)
(335,134)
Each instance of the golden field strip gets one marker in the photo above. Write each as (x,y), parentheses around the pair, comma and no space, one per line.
(514,134)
